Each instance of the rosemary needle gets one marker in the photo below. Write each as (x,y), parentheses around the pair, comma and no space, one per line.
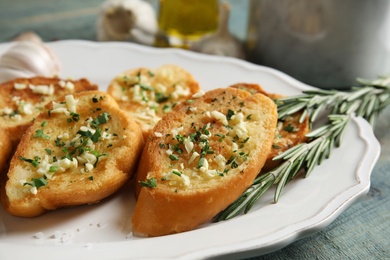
(366,100)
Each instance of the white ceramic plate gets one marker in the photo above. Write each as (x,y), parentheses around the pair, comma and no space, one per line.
(102,231)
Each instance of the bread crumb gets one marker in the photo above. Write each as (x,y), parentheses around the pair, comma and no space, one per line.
(80,229)
(102,224)
(39,235)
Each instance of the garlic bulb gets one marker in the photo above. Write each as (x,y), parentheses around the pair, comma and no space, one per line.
(222,42)
(28,57)
(127,20)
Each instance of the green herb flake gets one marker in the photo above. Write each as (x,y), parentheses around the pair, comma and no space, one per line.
(59,143)
(200,162)
(37,182)
(150,183)
(289,128)
(73,117)
(34,162)
(173,157)
(231,159)
(48,151)
(145,87)
(229,114)
(221,137)
(101,119)
(161,97)
(177,173)
(53,168)
(44,123)
(39,134)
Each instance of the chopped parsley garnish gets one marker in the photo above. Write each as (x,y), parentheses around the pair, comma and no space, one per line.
(173,157)
(221,137)
(39,133)
(73,117)
(150,183)
(231,159)
(176,173)
(200,162)
(249,117)
(229,114)
(44,123)
(59,143)
(34,162)
(246,139)
(37,182)
(48,151)
(145,87)
(161,97)
(101,119)
(53,168)
(96,153)
(289,128)
(90,178)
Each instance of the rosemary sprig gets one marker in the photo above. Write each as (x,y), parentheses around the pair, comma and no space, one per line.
(367,101)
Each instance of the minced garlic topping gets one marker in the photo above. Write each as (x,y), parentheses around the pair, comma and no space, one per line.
(202,148)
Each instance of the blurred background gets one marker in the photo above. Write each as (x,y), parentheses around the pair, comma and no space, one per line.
(73,19)
(324,43)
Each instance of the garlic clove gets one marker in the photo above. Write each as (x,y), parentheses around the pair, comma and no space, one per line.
(24,55)
(127,20)
(28,36)
(31,58)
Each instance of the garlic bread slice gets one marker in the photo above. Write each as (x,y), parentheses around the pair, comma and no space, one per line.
(148,94)
(79,150)
(200,158)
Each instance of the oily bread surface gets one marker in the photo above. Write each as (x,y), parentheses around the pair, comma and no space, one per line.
(119,147)
(148,94)
(176,205)
(289,131)
(20,104)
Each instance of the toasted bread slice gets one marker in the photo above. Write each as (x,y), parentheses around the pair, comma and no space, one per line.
(79,150)
(147,94)
(200,158)
(289,131)
(23,99)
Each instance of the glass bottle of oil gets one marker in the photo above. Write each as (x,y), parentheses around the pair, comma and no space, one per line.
(182,22)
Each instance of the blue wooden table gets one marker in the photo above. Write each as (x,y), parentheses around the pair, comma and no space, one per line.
(360,232)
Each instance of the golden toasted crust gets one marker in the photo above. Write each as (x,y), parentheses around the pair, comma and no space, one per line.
(86,155)
(20,104)
(231,130)
(5,148)
(289,131)
(148,94)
